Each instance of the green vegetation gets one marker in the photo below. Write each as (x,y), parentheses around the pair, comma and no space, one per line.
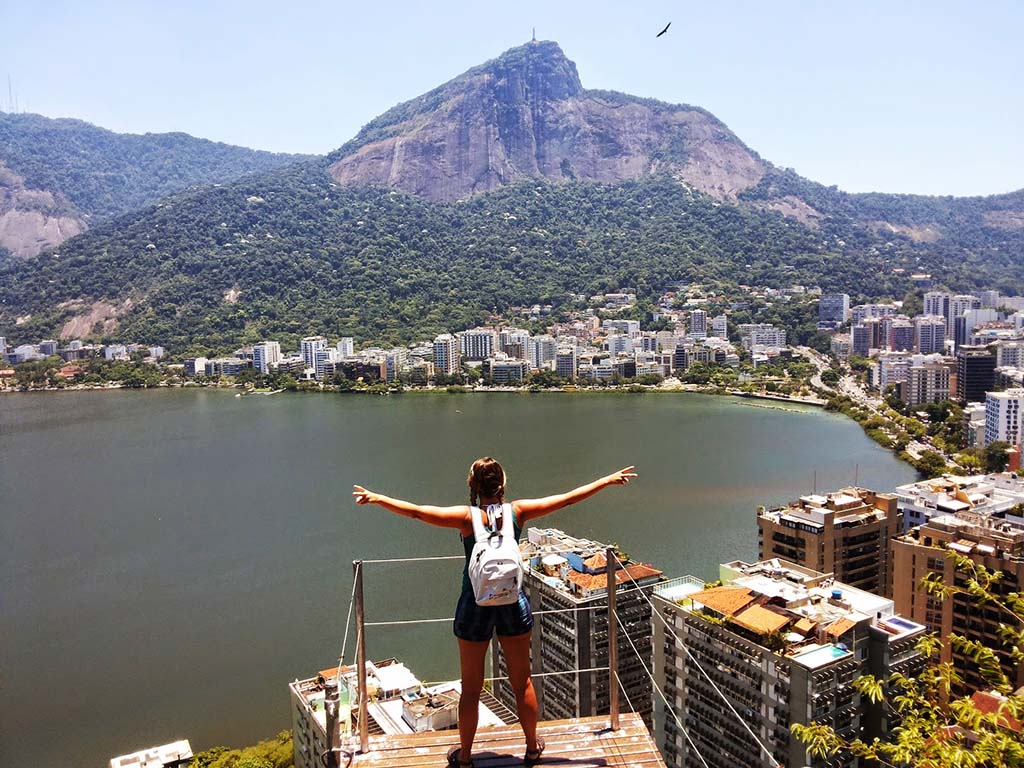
(104,174)
(271,753)
(934,729)
(308,257)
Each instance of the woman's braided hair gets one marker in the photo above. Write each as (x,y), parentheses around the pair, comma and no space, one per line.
(486,478)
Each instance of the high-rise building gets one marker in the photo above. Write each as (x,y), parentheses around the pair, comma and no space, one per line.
(957,306)
(477,344)
(309,347)
(845,533)
(346,347)
(566,363)
(937,303)
(720,327)
(975,373)
(784,644)
(513,342)
(931,334)
(322,358)
(570,575)
(834,308)
(860,340)
(862,312)
(993,496)
(266,355)
(540,350)
(1010,354)
(48,347)
(446,354)
(967,321)
(3,345)
(630,328)
(900,333)
(988,541)
(988,299)
(699,324)
(619,344)
(505,370)
(761,335)
(1004,412)
(927,382)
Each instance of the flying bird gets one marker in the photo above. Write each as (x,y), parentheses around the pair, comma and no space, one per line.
(664,30)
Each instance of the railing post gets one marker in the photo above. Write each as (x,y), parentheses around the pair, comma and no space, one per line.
(331,687)
(613,642)
(364,733)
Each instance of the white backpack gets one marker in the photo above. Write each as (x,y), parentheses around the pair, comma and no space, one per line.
(495,565)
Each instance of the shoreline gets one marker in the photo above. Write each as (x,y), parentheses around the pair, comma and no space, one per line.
(629,389)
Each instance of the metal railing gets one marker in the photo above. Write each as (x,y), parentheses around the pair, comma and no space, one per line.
(331,755)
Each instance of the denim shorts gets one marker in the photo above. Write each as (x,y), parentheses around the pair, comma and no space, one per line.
(477,623)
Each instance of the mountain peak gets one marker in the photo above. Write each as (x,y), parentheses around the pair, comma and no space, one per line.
(539,65)
(525,114)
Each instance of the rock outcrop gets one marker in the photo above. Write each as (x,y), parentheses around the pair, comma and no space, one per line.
(33,219)
(526,114)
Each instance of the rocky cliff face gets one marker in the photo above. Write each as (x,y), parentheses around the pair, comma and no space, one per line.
(526,114)
(33,219)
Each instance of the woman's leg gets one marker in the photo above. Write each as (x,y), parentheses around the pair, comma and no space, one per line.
(517,659)
(471,657)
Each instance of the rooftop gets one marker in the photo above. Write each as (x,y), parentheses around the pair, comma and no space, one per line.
(578,567)
(582,743)
(808,612)
(992,494)
(850,506)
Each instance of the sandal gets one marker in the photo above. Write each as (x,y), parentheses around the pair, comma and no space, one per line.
(454,761)
(533,757)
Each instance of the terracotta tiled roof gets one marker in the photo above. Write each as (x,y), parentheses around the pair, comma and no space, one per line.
(840,627)
(597,561)
(727,600)
(638,571)
(804,626)
(594,581)
(761,620)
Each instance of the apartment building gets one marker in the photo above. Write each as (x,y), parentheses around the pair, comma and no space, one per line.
(569,574)
(975,373)
(931,334)
(846,533)
(446,354)
(993,542)
(992,495)
(784,644)
(1004,412)
(308,348)
(928,381)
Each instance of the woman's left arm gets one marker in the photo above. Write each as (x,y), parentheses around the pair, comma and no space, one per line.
(530,509)
(443,517)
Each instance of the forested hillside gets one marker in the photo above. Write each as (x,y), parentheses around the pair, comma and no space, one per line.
(91,174)
(391,237)
(289,253)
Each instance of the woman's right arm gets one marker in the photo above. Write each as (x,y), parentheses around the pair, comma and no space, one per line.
(443,517)
(529,509)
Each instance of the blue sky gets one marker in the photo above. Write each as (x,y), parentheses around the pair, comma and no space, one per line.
(909,96)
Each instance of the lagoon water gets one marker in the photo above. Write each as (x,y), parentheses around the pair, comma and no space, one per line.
(169,561)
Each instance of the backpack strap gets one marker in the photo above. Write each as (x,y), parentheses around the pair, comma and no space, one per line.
(480,532)
(508,521)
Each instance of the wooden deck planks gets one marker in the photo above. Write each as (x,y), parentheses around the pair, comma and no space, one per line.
(580,743)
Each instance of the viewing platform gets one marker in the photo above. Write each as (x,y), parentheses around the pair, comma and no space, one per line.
(580,743)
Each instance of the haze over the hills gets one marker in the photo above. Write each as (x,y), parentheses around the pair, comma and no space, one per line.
(565,190)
